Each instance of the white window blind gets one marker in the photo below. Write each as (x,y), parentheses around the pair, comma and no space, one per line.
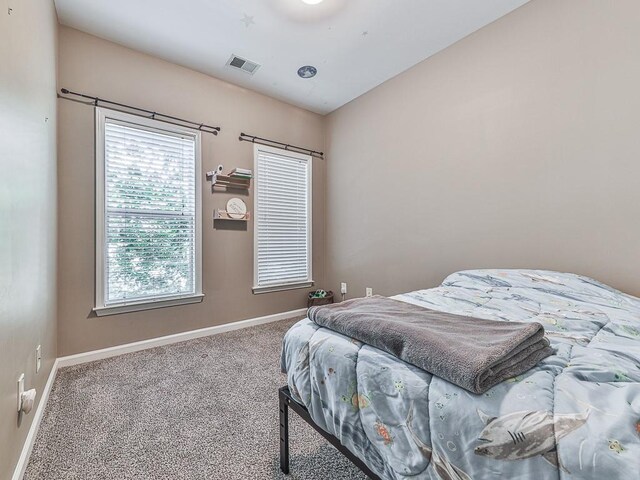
(282,219)
(150,213)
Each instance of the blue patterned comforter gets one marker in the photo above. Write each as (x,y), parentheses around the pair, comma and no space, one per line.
(575,415)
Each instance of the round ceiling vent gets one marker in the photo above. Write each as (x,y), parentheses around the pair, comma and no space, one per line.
(307,71)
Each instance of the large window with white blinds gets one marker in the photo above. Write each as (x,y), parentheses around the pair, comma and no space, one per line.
(282,239)
(148,214)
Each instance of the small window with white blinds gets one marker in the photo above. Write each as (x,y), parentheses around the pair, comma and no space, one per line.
(148,218)
(282,239)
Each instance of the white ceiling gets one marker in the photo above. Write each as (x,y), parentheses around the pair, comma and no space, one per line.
(354,44)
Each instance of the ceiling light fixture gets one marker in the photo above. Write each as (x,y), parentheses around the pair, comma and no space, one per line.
(312,2)
(307,71)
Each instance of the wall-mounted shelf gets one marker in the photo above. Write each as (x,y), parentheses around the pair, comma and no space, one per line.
(226,181)
(232,182)
(223,215)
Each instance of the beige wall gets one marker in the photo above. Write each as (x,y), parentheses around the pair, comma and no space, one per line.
(98,67)
(516,147)
(27,210)
(519,146)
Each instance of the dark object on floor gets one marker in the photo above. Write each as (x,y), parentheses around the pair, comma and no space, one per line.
(315,300)
(473,353)
(286,402)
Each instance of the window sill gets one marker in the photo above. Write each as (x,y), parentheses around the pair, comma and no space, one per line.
(282,288)
(146,305)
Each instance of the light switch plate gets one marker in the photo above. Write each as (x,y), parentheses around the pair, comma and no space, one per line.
(38,358)
(369,292)
(20,390)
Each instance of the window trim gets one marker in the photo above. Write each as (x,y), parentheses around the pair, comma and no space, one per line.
(258,289)
(100,309)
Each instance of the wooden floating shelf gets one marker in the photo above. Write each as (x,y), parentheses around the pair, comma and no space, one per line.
(231,182)
(223,215)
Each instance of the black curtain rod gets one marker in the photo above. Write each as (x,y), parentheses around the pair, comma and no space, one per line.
(148,113)
(285,146)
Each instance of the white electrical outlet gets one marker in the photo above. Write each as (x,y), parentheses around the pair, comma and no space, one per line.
(343,288)
(38,358)
(369,292)
(20,390)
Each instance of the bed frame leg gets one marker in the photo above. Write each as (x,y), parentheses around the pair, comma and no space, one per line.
(284,433)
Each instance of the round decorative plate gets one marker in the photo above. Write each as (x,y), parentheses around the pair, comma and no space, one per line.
(236,208)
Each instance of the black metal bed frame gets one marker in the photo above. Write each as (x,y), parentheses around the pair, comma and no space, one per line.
(286,401)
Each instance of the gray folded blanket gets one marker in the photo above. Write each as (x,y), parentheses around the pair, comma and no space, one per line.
(473,353)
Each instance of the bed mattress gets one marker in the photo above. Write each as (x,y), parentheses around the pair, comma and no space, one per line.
(575,415)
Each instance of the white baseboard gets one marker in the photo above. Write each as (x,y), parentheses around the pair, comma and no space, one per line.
(178,337)
(23,461)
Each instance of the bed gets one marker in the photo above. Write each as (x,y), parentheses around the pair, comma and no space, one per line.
(575,415)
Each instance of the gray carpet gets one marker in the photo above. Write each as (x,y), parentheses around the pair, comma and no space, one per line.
(201,409)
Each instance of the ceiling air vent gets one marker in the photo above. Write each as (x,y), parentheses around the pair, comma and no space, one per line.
(245,65)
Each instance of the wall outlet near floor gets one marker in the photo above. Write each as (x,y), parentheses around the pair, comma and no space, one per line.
(38,358)
(20,390)
(369,292)
(343,288)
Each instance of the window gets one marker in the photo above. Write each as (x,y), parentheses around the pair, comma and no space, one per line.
(282,256)
(148,214)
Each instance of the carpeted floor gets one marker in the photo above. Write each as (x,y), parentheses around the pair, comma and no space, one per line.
(201,409)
